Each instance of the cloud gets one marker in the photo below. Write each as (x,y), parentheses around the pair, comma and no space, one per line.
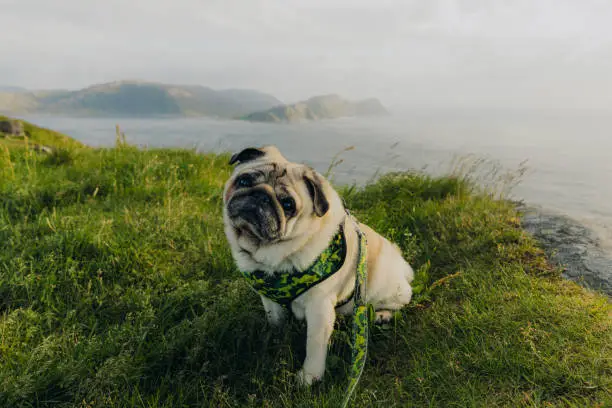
(407,51)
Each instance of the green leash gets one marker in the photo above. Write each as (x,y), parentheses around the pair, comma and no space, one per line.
(361,318)
(284,288)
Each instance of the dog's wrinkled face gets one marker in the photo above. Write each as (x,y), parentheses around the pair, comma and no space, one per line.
(270,199)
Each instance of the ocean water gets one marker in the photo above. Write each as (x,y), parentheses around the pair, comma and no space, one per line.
(567,155)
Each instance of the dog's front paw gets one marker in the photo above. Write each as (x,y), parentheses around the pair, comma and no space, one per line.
(306,379)
(383,316)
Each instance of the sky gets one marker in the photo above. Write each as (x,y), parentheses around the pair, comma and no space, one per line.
(506,53)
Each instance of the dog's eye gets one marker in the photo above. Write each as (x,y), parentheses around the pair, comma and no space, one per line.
(288,205)
(246,180)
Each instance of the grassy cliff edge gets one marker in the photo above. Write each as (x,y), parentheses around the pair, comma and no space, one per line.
(37,135)
(117,288)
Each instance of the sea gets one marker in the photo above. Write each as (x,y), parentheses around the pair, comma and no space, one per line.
(560,161)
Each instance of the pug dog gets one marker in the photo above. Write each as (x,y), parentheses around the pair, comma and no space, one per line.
(279,217)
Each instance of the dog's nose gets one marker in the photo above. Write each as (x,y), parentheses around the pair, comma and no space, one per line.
(253,203)
(264,198)
(259,198)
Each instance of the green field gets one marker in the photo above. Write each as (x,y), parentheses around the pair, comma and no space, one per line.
(117,288)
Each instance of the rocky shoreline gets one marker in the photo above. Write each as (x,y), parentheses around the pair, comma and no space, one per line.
(572,245)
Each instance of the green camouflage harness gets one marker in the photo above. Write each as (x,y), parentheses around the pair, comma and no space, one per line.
(284,288)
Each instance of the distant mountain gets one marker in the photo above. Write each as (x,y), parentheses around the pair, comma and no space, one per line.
(17,102)
(134,98)
(318,107)
(10,88)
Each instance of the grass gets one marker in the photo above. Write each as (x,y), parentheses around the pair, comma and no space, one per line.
(117,289)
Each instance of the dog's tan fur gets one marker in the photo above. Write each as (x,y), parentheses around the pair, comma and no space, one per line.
(301,239)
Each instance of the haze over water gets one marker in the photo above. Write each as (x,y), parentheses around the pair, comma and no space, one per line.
(567,154)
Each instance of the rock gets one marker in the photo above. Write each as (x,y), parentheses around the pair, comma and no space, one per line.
(572,246)
(11,127)
(42,149)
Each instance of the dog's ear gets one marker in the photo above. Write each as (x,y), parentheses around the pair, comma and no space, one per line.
(247,155)
(314,184)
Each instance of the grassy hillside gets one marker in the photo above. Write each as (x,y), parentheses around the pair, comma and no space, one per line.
(137,98)
(38,135)
(117,289)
